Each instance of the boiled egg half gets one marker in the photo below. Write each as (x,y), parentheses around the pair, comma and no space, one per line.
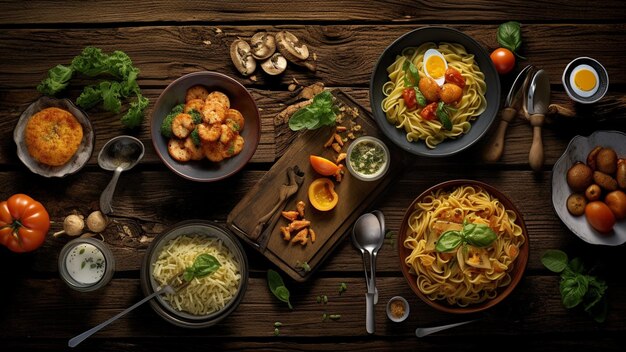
(435,66)
(584,80)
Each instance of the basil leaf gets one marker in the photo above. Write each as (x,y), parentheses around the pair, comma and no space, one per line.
(320,112)
(510,35)
(277,286)
(479,235)
(448,241)
(573,290)
(595,292)
(205,264)
(554,260)
(421,100)
(442,115)
(576,266)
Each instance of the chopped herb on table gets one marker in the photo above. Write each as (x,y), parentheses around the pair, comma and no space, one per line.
(342,288)
(578,287)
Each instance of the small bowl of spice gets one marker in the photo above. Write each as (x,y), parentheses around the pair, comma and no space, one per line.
(397,309)
(86,264)
(368,158)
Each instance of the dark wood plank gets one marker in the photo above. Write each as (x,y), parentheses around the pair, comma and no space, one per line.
(536,298)
(172,199)
(346,54)
(275,139)
(77,12)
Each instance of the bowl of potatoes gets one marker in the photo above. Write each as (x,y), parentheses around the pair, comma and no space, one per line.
(589,187)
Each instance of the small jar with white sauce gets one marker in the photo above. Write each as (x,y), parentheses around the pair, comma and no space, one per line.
(368,158)
(86,264)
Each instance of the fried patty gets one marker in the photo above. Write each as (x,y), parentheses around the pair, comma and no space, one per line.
(53,136)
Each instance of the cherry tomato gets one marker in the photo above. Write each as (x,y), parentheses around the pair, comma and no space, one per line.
(428,112)
(24,223)
(454,76)
(409,98)
(503,59)
(600,216)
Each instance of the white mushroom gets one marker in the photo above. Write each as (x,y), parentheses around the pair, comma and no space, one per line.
(293,50)
(275,65)
(96,221)
(263,45)
(73,225)
(241,55)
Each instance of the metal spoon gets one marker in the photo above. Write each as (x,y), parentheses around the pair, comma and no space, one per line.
(82,337)
(421,332)
(381,219)
(368,237)
(118,154)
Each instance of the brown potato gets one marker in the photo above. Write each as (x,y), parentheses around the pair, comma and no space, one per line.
(576,204)
(607,161)
(593,192)
(579,177)
(620,175)
(605,181)
(592,157)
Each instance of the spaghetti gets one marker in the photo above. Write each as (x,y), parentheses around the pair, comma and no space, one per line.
(203,295)
(471,105)
(469,274)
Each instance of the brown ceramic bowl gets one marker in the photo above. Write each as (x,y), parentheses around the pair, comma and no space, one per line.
(240,99)
(516,272)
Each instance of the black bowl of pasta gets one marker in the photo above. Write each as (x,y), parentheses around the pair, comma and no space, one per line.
(463,246)
(422,104)
(205,299)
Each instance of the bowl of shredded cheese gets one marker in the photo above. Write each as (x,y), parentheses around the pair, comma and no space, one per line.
(204,300)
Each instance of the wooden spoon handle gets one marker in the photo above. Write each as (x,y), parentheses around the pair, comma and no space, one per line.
(535,157)
(493,150)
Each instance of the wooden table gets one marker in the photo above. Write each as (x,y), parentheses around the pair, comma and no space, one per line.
(167,39)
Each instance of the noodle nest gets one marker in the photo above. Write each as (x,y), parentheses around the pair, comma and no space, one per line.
(204,295)
(472,104)
(467,275)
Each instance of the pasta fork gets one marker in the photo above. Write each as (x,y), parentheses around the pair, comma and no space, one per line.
(175,285)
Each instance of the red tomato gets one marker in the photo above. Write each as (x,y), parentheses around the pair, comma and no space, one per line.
(428,112)
(409,98)
(600,216)
(24,223)
(503,59)
(454,76)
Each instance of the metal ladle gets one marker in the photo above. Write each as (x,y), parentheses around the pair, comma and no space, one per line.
(118,154)
(367,236)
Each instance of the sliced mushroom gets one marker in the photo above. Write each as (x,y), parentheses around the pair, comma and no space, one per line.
(241,54)
(290,46)
(263,45)
(275,65)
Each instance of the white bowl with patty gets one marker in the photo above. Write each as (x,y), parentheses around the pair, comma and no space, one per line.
(52,148)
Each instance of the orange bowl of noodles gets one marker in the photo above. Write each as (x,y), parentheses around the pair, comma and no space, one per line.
(463,246)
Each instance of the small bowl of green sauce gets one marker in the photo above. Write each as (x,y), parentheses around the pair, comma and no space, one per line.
(368,158)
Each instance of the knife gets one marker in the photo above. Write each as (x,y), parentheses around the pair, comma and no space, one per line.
(514,101)
(537,102)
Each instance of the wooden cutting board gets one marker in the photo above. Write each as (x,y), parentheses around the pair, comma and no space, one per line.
(355,197)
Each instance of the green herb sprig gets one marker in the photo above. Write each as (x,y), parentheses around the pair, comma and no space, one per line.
(278,288)
(321,112)
(411,79)
(510,37)
(443,113)
(93,62)
(478,235)
(203,265)
(577,285)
